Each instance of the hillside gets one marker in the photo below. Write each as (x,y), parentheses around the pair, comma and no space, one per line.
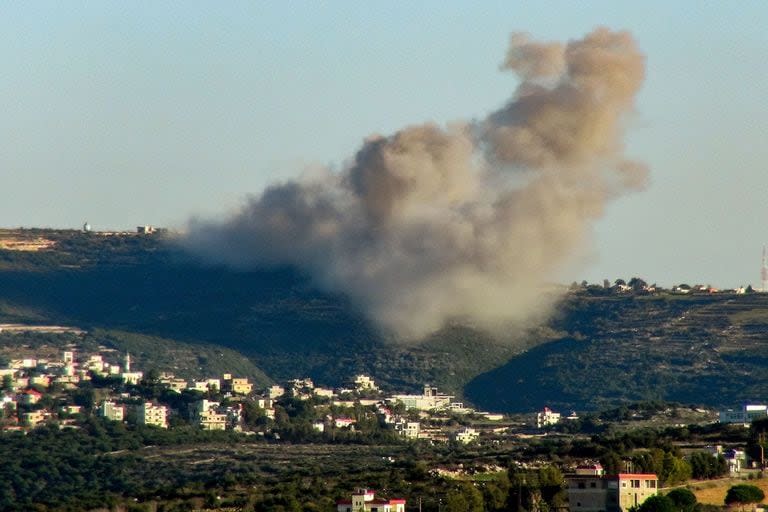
(276,318)
(700,349)
(147,352)
(600,350)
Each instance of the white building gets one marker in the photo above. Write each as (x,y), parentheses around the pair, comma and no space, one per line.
(365,383)
(745,415)
(466,435)
(209,415)
(408,429)
(275,391)
(95,363)
(323,392)
(198,385)
(547,417)
(430,400)
(112,411)
(132,378)
(150,414)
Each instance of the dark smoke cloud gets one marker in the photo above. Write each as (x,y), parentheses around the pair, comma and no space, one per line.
(465,222)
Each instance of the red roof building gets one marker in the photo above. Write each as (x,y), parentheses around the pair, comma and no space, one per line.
(364,500)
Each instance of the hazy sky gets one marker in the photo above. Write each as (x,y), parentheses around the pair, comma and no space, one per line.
(133,113)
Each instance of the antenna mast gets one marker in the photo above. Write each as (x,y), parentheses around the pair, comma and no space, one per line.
(764,272)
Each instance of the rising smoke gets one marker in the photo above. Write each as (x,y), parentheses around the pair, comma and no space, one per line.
(433,224)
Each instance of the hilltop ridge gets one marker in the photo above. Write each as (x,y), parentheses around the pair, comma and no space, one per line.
(603,347)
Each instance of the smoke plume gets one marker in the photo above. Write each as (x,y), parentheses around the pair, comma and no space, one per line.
(465,222)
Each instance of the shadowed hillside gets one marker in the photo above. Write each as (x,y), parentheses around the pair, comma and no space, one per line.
(706,349)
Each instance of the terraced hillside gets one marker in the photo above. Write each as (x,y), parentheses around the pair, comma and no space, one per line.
(701,349)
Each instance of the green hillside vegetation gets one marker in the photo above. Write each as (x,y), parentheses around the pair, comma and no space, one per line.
(276,318)
(603,348)
(701,349)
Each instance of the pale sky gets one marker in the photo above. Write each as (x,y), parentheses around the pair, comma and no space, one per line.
(127,113)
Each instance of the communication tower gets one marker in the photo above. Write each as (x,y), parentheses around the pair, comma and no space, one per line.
(764,272)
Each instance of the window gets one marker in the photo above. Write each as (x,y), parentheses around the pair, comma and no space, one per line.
(593,484)
(651,484)
(581,485)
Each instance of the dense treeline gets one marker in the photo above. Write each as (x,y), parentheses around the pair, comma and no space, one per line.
(107,463)
(73,469)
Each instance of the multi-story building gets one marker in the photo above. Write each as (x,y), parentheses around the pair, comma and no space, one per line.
(34,418)
(408,429)
(198,385)
(209,415)
(112,411)
(430,400)
(365,383)
(745,415)
(323,392)
(590,490)
(466,435)
(364,500)
(241,386)
(547,417)
(151,414)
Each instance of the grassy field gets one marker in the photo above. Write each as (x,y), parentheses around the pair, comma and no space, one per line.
(712,492)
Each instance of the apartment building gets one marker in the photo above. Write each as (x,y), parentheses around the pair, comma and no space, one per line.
(590,490)
(151,414)
(112,411)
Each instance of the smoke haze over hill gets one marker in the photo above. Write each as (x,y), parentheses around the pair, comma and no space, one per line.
(462,222)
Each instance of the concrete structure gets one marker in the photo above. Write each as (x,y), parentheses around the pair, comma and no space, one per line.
(323,392)
(364,500)
(72,409)
(209,415)
(466,435)
(745,415)
(430,400)
(408,429)
(344,422)
(34,418)
(150,414)
(112,411)
(365,383)
(198,385)
(239,386)
(275,391)
(547,417)
(736,459)
(30,397)
(589,490)
(132,378)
